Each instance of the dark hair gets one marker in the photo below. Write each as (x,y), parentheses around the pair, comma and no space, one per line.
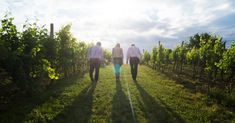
(98,43)
(117,45)
(132,44)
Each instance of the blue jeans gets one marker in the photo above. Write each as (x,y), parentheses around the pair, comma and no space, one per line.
(117,69)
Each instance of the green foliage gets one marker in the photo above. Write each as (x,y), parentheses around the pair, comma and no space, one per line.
(32,58)
(194,41)
(176,57)
(107,56)
(146,57)
(209,51)
(222,97)
(167,58)
(11,50)
(204,56)
(176,53)
(227,63)
(160,55)
(71,55)
(154,56)
(50,71)
(192,55)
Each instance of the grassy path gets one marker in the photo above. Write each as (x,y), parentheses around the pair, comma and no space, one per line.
(154,98)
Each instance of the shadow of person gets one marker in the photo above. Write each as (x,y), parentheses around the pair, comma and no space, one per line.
(185,81)
(156,112)
(80,110)
(121,110)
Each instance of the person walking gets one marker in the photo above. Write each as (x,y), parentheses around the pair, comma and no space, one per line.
(95,57)
(117,55)
(134,56)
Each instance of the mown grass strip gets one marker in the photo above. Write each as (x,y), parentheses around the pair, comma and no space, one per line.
(154,98)
(131,105)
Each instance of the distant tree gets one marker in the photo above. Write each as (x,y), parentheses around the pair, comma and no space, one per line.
(167,57)
(154,57)
(194,41)
(65,39)
(176,58)
(11,51)
(107,56)
(192,57)
(146,57)
(227,63)
(160,56)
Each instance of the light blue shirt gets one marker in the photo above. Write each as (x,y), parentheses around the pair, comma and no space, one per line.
(133,51)
(95,52)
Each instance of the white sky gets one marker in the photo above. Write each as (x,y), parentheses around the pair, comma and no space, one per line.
(143,22)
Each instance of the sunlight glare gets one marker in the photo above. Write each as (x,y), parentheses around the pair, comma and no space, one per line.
(116,10)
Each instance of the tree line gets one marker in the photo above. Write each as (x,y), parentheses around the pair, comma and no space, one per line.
(31,60)
(205,55)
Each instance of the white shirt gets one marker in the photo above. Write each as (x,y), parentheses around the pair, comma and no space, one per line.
(133,52)
(95,52)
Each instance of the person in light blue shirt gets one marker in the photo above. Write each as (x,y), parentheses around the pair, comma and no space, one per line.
(95,57)
(134,57)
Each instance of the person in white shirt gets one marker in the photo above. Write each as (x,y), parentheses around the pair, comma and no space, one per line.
(95,57)
(134,56)
(117,55)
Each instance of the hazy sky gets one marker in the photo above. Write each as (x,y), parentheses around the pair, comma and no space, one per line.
(143,22)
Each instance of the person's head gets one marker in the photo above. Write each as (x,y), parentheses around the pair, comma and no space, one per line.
(98,43)
(132,45)
(117,45)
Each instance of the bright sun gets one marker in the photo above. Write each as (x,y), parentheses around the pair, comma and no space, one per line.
(112,14)
(116,10)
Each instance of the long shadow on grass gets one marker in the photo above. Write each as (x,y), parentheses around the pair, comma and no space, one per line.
(183,81)
(81,109)
(24,105)
(157,112)
(121,111)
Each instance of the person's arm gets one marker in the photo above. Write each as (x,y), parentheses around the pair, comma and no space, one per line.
(139,53)
(122,53)
(112,52)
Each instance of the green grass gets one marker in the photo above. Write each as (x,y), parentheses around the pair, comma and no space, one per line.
(155,98)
